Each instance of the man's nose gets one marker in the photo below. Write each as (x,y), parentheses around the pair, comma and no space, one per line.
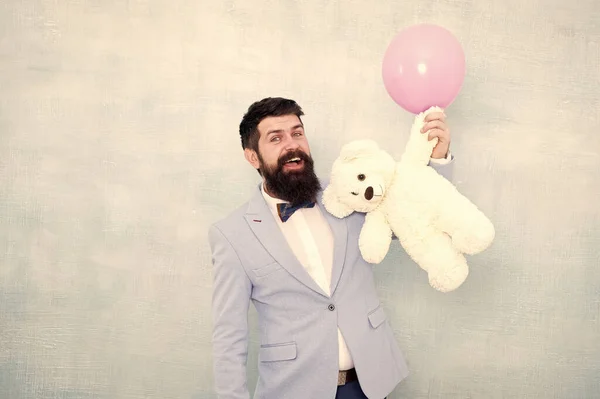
(291,144)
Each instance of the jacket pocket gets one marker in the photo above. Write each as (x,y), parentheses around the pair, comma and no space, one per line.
(377,317)
(264,271)
(275,353)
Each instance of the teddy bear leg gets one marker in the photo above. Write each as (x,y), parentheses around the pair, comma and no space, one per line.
(473,234)
(471,231)
(446,268)
(475,239)
(449,276)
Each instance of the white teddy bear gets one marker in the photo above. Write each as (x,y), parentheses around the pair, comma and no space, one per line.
(435,224)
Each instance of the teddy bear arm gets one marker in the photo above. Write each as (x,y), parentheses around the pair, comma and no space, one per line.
(375,237)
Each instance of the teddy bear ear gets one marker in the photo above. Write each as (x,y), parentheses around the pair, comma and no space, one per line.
(358,148)
(333,204)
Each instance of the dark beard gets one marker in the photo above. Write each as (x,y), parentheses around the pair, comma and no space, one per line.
(295,187)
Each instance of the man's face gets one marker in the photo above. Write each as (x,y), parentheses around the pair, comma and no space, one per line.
(284,159)
(280,137)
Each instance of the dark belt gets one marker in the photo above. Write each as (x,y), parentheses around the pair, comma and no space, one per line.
(347,376)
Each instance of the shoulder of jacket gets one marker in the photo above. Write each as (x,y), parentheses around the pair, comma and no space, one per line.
(232,222)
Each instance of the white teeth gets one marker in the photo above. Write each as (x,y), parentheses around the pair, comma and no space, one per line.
(294,160)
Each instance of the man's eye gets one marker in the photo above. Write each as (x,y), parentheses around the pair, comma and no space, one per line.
(275,139)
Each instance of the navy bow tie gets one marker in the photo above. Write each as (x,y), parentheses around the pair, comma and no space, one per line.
(285,211)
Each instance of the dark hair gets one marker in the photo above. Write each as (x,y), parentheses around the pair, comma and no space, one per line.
(270,106)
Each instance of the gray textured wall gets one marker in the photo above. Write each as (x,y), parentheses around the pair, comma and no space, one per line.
(118,147)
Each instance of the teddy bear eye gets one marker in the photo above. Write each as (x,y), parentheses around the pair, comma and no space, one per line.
(361,177)
(353,193)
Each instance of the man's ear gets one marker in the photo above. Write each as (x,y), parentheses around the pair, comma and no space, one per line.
(333,205)
(252,157)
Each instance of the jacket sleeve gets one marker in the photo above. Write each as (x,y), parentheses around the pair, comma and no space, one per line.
(444,167)
(230,302)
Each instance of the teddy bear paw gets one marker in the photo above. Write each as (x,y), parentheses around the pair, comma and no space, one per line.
(474,241)
(373,247)
(449,279)
(372,255)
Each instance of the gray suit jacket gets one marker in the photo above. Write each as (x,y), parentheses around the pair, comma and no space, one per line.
(298,355)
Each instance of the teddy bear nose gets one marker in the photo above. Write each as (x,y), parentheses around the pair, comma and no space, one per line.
(369,193)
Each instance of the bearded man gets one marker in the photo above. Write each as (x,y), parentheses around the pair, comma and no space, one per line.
(323,331)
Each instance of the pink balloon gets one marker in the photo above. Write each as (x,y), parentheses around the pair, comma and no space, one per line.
(423,66)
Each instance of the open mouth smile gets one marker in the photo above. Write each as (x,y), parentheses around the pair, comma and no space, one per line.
(293,164)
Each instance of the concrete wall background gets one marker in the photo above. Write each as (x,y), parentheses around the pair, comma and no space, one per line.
(119,146)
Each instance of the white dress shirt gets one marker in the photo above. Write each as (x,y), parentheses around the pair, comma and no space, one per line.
(310,238)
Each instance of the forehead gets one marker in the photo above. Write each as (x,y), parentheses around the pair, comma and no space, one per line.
(271,123)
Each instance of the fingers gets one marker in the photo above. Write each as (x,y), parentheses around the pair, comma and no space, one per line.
(442,135)
(435,115)
(433,125)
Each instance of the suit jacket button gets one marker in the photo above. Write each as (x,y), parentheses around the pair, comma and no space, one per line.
(331,307)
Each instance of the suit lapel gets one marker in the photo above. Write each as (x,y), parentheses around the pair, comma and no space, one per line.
(339,229)
(261,221)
